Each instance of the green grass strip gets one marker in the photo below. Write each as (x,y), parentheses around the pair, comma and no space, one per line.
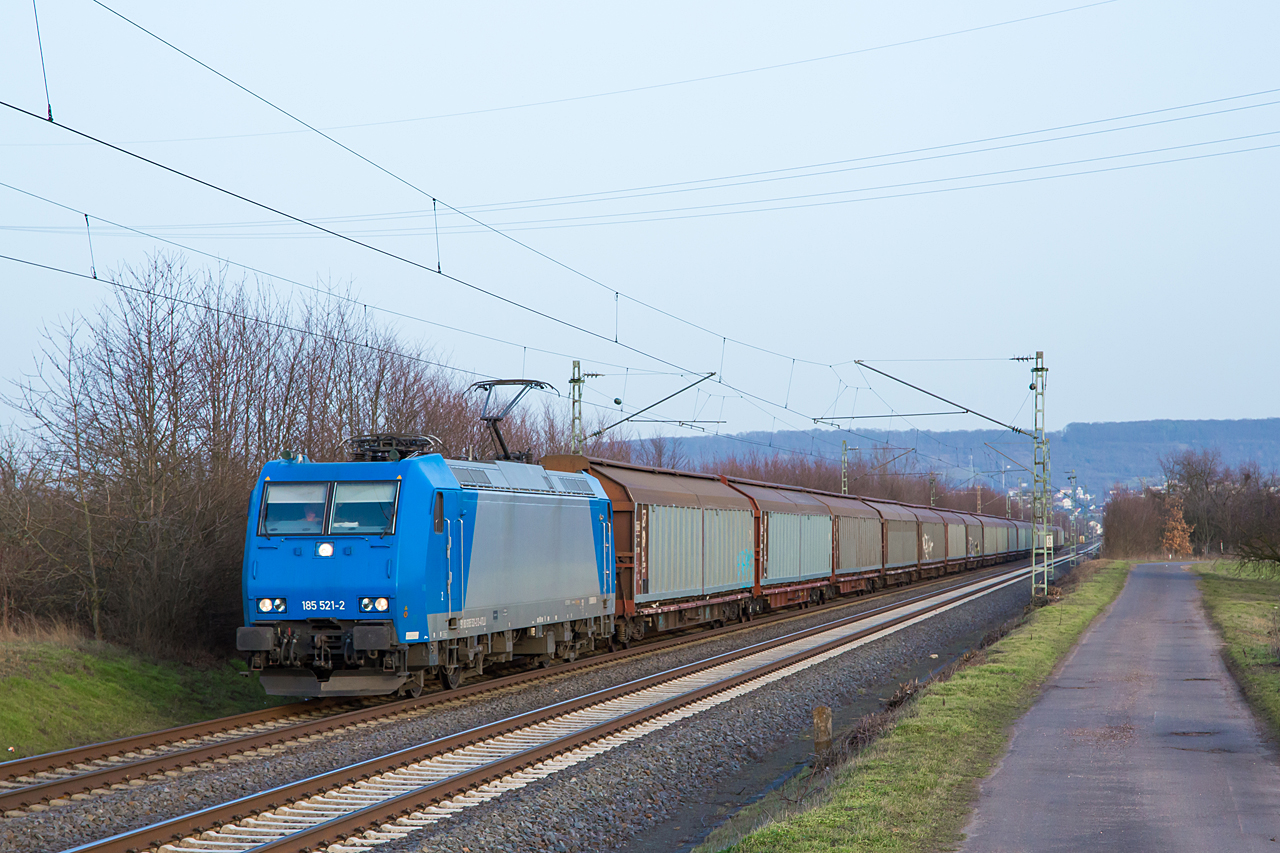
(914,788)
(56,695)
(1243,607)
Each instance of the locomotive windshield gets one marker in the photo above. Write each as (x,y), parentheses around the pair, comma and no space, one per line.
(294,508)
(363,508)
(356,508)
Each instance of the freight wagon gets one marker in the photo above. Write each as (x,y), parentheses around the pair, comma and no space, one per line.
(700,548)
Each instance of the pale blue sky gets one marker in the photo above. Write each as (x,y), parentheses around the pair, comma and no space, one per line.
(1150,289)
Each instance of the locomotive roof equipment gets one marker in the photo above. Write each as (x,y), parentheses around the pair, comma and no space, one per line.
(391,447)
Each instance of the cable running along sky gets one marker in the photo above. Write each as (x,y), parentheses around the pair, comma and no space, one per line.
(744,393)
(710,183)
(363,344)
(616,293)
(406,260)
(611,218)
(634,89)
(325,291)
(420,360)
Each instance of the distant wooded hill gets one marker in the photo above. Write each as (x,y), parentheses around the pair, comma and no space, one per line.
(1102,454)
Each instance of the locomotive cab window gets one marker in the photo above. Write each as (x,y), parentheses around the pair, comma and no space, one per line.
(437,513)
(363,508)
(294,508)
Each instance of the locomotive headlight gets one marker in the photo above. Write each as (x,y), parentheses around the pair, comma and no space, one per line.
(381,605)
(264,605)
(324,549)
(366,604)
(278,604)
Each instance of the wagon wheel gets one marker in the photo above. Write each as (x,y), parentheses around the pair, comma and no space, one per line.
(451,677)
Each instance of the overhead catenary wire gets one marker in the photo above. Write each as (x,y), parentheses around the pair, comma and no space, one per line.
(491,228)
(708,185)
(945,463)
(321,335)
(909,151)
(861,364)
(717,209)
(330,232)
(644,88)
(413,186)
(416,188)
(619,194)
(714,210)
(740,392)
(151,293)
(231,193)
(301,221)
(276,276)
(786,404)
(534,226)
(828,418)
(743,393)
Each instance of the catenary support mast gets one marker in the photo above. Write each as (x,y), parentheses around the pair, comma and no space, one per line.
(1042,508)
(575,403)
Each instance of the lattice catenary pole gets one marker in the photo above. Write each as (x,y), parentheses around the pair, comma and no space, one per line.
(579,440)
(1042,545)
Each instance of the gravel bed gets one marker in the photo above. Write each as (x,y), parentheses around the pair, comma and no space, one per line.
(599,806)
(588,810)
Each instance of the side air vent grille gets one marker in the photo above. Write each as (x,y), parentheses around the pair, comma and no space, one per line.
(471,475)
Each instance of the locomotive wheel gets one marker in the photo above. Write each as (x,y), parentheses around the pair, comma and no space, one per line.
(451,677)
(413,687)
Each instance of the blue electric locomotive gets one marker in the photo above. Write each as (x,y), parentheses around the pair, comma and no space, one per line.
(367,578)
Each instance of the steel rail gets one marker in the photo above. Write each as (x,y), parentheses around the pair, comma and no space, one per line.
(48,761)
(184,826)
(147,766)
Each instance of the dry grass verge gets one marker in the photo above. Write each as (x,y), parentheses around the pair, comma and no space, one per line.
(1245,608)
(60,689)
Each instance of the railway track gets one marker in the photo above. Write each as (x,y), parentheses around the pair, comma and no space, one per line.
(56,778)
(37,777)
(389,797)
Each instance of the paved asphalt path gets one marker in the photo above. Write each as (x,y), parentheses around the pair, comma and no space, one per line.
(1140,742)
